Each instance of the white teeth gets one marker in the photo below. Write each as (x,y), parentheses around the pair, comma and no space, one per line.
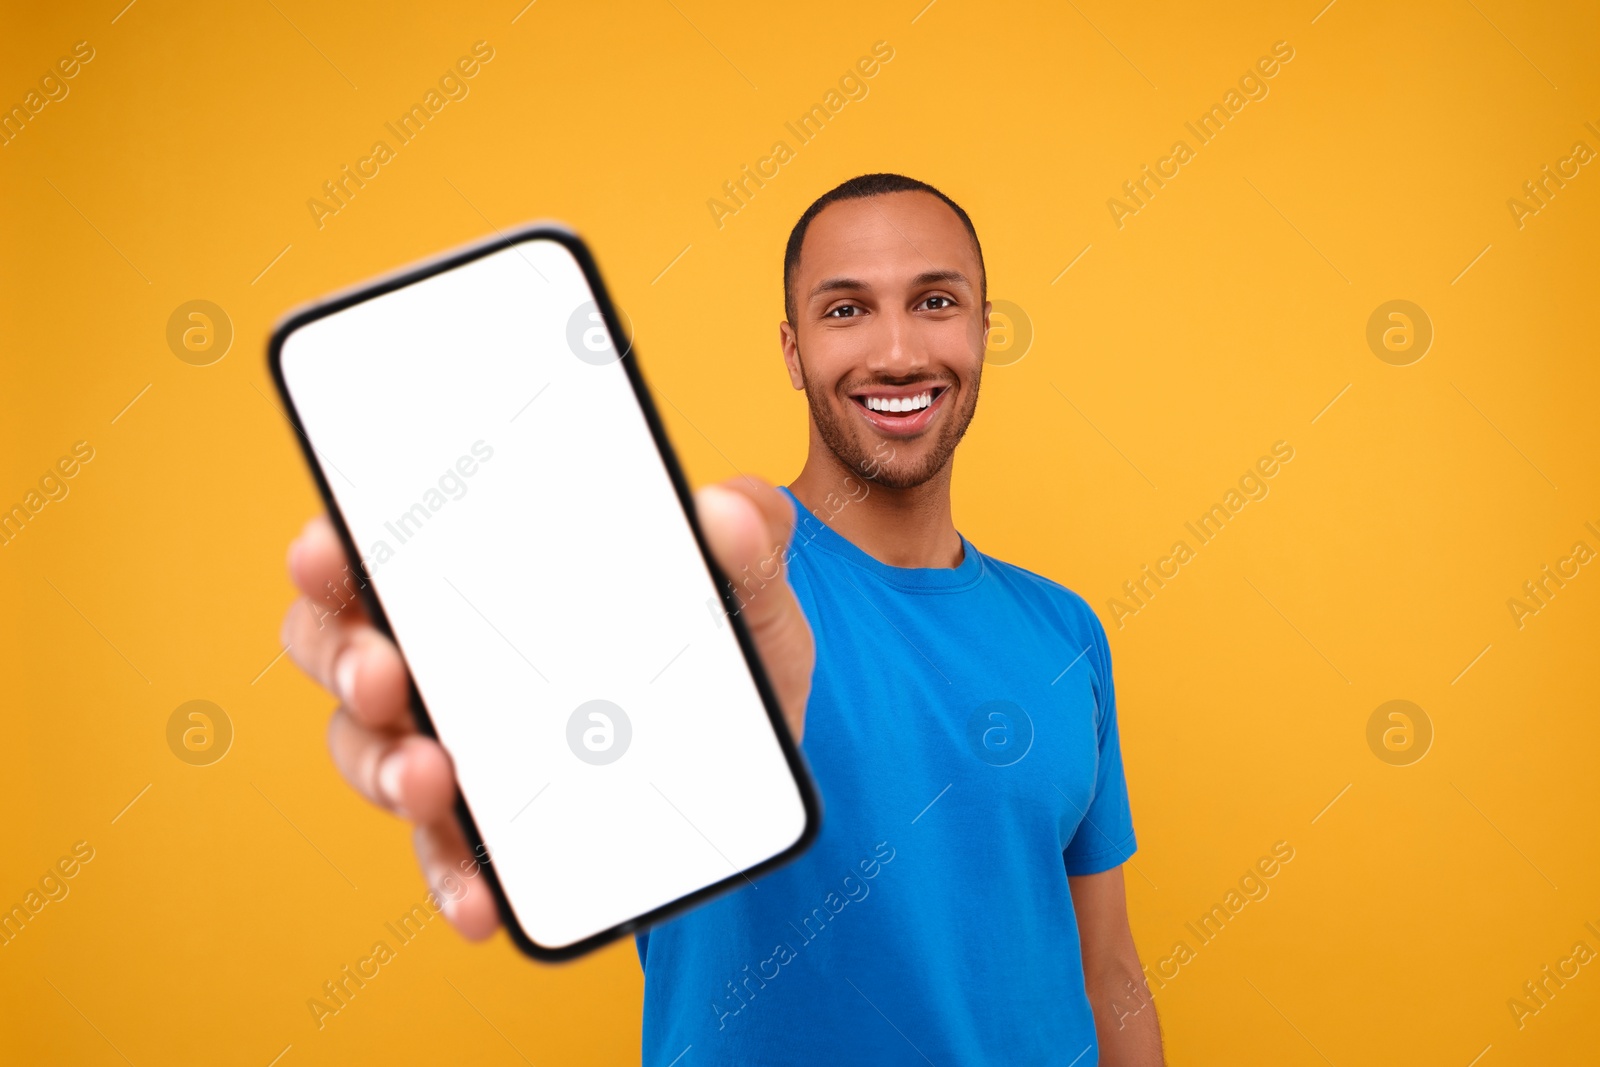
(909,403)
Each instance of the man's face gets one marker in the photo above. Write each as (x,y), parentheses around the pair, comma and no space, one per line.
(889,334)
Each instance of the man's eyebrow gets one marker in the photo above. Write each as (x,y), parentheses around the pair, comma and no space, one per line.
(928,277)
(834,284)
(934,277)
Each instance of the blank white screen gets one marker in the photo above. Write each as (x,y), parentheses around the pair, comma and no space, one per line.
(555,571)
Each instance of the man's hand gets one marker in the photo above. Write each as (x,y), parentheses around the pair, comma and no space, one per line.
(375,743)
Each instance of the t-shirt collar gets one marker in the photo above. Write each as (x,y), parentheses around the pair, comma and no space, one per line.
(812,532)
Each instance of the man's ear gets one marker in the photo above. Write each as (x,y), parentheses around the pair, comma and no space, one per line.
(987,307)
(790,342)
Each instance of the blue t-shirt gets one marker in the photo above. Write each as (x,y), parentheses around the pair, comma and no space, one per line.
(962,733)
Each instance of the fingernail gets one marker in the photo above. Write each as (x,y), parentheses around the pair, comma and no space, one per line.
(389,780)
(344,676)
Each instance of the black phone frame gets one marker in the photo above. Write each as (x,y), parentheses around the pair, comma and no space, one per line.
(546,231)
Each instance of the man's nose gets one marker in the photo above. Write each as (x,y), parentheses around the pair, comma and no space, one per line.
(901,354)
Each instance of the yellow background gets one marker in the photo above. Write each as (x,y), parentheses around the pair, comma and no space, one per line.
(1225,316)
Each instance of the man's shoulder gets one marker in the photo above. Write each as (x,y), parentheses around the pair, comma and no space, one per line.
(1036,587)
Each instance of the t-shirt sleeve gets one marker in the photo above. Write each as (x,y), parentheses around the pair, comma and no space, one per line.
(1105,837)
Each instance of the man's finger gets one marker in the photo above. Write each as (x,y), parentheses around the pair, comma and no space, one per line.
(353,661)
(408,774)
(321,570)
(456,878)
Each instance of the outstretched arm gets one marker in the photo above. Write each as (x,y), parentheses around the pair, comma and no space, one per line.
(376,744)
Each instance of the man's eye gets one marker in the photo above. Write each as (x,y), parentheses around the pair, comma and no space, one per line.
(939,303)
(843,311)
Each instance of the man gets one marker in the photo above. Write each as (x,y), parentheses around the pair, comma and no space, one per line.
(964,901)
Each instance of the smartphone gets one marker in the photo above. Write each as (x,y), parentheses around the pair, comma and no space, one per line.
(488,451)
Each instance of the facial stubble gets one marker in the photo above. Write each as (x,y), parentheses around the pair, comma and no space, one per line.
(895,472)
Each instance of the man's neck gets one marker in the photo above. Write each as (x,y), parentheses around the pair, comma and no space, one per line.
(900,527)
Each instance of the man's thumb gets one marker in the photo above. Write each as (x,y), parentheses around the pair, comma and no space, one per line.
(748,525)
(737,532)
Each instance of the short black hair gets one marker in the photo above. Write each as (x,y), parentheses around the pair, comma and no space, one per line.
(859,188)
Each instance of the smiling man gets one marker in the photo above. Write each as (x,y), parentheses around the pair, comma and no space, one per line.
(964,901)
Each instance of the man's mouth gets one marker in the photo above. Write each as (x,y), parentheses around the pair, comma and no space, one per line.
(899,405)
(900,411)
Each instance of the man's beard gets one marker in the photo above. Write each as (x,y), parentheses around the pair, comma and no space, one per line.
(893,472)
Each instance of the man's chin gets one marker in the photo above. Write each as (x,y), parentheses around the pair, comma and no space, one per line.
(889,462)
(910,466)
